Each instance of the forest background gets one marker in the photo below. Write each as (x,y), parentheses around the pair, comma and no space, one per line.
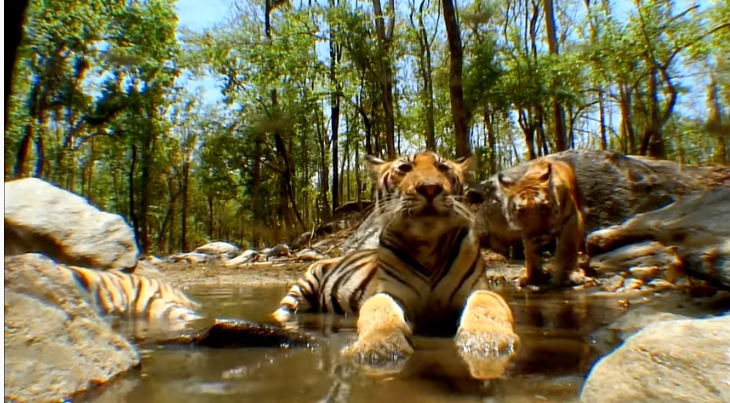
(247,120)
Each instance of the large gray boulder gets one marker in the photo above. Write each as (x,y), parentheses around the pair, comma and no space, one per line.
(56,345)
(696,229)
(42,218)
(668,361)
(612,188)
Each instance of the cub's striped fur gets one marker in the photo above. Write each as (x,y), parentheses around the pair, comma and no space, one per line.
(544,202)
(427,268)
(119,293)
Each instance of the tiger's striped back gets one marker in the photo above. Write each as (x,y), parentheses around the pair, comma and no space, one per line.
(116,292)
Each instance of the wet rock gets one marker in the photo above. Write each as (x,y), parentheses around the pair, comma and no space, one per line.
(366,236)
(149,270)
(613,283)
(302,240)
(223,250)
(193,258)
(605,338)
(670,361)
(642,254)
(152,259)
(280,250)
(660,285)
(353,207)
(613,187)
(247,256)
(309,255)
(55,343)
(695,228)
(632,284)
(236,333)
(645,272)
(42,218)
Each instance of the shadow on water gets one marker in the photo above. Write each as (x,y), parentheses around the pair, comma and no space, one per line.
(554,358)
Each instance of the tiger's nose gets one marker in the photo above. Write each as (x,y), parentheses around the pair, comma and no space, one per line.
(429,190)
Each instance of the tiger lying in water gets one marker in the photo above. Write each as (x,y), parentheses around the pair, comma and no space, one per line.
(427,274)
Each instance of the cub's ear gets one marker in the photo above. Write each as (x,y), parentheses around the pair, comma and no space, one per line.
(375,165)
(465,163)
(504,182)
(546,172)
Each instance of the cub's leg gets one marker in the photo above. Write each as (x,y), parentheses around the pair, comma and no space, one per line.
(534,275)
(570,242)
(384,337)
(486,339)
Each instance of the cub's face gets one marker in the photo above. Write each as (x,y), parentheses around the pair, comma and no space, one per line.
(421,183)
(529,204)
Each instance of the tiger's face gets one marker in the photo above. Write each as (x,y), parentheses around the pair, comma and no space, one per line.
(529,202)
(421,184)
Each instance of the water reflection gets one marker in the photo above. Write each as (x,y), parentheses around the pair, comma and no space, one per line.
(554,357)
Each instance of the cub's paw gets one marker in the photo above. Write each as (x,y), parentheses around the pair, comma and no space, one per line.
(380,355)
(487,353)
(537,279)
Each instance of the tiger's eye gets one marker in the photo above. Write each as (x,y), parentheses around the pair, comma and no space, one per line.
(405,167)
(443,167)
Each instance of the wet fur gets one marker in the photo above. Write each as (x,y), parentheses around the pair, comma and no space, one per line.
(426,276)
(118,293)
(544,202)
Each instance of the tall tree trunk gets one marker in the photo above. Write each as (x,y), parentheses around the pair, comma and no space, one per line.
(528,128)
(144,202)
(602,120)
(558,110)
(491,141)
(323,169)
(456,91)
(184,209)
(24,146)
(14,31)
(715,124)
(132,202)
(425,68)
(387,75)
(23,150)
(335,52)
(626,124)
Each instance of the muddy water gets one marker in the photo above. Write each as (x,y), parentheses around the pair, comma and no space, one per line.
(555,357)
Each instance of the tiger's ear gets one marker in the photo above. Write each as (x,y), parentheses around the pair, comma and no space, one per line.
(465,163)
(375,165)
(546,173)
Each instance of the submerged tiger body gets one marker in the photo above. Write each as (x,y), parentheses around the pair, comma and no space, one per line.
(544,202)
(119,293)
(425,276)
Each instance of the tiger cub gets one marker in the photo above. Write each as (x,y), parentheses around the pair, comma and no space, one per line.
(544,202)
(426,275)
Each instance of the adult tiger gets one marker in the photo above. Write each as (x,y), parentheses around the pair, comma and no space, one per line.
(119,293)
(425,276)
(545,202)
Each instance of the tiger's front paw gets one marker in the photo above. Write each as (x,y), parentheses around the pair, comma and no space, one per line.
(380,353)
(487,342)
(282,315)
(487,352)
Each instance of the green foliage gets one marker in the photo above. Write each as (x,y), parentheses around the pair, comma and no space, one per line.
(102,104)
